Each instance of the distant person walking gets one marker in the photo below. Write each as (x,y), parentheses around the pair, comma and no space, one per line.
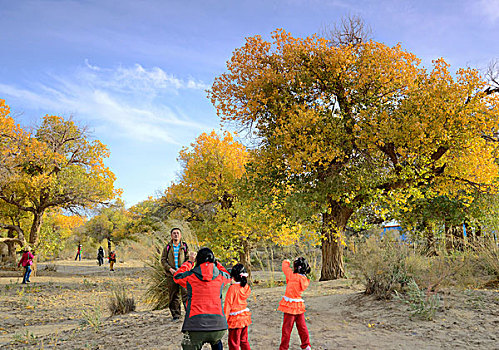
(78,253)
(204,321)
(100,255)
(26,261)
(112,260)
(173,256)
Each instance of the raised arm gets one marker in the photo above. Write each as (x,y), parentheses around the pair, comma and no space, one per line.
(224,273)
(229,300)
(184,271)
(286,268)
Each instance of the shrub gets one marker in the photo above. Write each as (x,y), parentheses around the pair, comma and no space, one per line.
(422,303)
(156,285)
(385,266)
(120,303)
(50,267)
(92,318)
(488,254)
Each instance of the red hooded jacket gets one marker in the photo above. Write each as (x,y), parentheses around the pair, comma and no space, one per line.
(26,259)
(204,286)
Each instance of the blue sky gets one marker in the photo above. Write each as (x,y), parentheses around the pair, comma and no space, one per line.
(136,71)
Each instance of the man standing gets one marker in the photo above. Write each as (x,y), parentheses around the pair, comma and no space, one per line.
(174,255)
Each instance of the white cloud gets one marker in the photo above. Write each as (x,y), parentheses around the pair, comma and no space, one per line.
(132,102)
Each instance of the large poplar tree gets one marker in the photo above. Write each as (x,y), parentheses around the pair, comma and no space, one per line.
(342,124)
(56,166)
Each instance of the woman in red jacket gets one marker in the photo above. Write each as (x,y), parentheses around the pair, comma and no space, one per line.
(204,318)
(26,261)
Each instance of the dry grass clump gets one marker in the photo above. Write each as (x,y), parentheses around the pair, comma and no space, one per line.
(157,289)
(385,265)
(120,303)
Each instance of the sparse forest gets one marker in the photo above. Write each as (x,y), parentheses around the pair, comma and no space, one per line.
(382,173)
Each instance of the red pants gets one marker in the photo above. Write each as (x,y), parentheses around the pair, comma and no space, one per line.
(287,327)
(238,337)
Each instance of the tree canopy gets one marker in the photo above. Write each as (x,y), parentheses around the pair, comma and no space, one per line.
(56,166)
(343,124)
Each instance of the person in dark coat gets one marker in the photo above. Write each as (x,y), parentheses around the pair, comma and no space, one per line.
(100,255)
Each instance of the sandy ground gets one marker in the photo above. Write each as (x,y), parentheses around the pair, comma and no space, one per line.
(51,312)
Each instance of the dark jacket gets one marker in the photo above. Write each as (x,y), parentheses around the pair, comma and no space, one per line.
(167,258)
(204,286)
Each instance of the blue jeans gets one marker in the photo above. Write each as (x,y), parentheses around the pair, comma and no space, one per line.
(27,272)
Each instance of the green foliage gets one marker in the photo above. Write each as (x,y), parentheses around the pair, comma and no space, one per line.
(92,317)
(112,222)
(25,338)
(422,303)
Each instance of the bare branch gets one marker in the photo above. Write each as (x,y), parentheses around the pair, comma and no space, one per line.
(351,31)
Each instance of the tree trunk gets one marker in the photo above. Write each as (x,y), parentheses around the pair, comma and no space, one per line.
(33,238)
(11,246)
(245,256)
(35,228)
(449,237)
(334,222)
(428,229)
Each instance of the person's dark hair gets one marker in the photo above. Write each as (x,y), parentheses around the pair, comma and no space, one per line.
(204,255)
(175,228)
(301,266)
(238,272)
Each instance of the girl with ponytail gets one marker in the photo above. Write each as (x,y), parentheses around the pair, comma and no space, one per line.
(236,310)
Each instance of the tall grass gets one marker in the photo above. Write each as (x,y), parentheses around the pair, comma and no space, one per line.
(156,292)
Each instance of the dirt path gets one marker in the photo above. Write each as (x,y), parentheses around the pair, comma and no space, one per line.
(53,312)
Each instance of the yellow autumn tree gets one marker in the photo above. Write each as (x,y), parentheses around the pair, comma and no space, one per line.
(342,124)
(206,194)
(57,166)
(56,229)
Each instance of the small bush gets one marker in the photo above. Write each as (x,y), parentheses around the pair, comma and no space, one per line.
(50,267)
(92,318)
(488,254)
(422,303)
(385,266)
(120,303)
(25,338)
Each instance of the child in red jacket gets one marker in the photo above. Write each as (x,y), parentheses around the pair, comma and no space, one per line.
(236,310)
(26,261)
(292,304)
